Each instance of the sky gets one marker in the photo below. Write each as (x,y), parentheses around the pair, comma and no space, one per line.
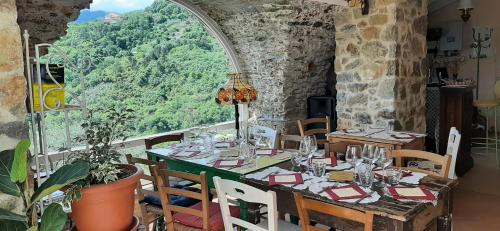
(120,6)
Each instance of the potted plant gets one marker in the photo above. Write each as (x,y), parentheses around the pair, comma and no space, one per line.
(14,181)
(105,199)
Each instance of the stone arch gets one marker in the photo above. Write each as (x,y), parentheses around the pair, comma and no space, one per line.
(214,29)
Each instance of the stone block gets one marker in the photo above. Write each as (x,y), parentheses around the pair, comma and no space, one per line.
(11,50)
(370,33)
(379,19)
(8,13)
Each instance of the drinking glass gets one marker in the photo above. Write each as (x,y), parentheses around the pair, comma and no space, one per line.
(247,152)
(318,169)
(303,148)
(393,176)
(365,175)
(369,152)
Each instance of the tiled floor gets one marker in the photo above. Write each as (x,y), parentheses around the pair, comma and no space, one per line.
(477,199)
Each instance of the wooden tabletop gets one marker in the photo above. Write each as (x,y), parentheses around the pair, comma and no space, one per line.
(386,206)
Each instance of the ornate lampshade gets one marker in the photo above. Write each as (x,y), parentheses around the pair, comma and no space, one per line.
(236,91)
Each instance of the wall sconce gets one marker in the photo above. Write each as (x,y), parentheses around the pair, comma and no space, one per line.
(465,7)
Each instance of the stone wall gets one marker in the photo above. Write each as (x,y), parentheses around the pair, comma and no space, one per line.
(12,88)
(286,49)
(379,63)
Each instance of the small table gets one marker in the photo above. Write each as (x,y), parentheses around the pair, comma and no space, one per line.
(197,165)
(390,214)
(339,140)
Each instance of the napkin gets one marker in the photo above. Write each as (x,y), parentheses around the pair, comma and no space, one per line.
(294,178)
(266,152)
(346,192)
(341,176)
(411,193)
(224,145)
(352,130)
(228,163)
(380,174)
(332,161)
(402,136)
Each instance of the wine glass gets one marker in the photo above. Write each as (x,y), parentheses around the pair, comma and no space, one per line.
(352,153)
(313,144)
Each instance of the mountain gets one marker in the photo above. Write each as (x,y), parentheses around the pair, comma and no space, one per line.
(161,62)
(92,16)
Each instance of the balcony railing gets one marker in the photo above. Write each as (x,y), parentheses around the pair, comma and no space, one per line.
(139,141)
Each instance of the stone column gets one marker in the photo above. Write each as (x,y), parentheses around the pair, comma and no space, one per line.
(12,88)
(286,49)
(379,64)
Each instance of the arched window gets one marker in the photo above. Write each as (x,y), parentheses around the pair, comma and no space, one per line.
(166,63)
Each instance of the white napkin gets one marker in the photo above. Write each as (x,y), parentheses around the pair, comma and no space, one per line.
(414,178)
(165,151)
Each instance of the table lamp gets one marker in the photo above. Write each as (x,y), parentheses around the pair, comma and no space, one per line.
(235,92)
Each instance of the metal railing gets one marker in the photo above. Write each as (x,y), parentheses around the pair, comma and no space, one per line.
(139,141)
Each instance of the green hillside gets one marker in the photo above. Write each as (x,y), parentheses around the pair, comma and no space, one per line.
(160,62)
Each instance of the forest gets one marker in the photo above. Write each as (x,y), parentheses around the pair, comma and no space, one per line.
(160,62)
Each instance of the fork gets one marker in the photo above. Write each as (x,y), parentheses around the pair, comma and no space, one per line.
(366,196)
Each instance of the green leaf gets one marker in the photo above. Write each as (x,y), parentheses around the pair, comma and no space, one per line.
(8,215)
(54,218)
(65,175)
(6,185)
(12,225)
(19,169)
(33,228)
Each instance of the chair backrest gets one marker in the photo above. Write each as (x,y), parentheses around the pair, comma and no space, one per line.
(141,191)
(304,205)
(268,133)
(149,143)
(246,193)
(162,175)
(287,140)
(452,150)
(303,125)
(444,161)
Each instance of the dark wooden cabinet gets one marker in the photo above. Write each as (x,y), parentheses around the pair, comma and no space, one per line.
(456,110)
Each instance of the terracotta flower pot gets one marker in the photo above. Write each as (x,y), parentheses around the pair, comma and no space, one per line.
(107,207)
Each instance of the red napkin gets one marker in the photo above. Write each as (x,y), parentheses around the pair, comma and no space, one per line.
(427,194)
(269,152)
(274,179)
(192,153)
(228,163)
(334,196)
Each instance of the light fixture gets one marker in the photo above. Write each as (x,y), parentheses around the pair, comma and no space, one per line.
(465,7)
(235,92)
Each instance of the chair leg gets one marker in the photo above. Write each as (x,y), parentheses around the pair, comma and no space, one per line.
(487,133)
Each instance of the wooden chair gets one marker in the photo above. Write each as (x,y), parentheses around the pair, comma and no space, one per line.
(149,143)
(287,140)
(305,131)
(452,150)
(149,211)
(204,215)
(250,194)
(305,205)
(444,161)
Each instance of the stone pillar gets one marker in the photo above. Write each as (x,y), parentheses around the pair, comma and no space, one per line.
(286,49)
(379,64)
(12,88)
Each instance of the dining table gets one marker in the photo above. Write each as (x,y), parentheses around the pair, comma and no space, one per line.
(389,213)
(380,137)
(205,160)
